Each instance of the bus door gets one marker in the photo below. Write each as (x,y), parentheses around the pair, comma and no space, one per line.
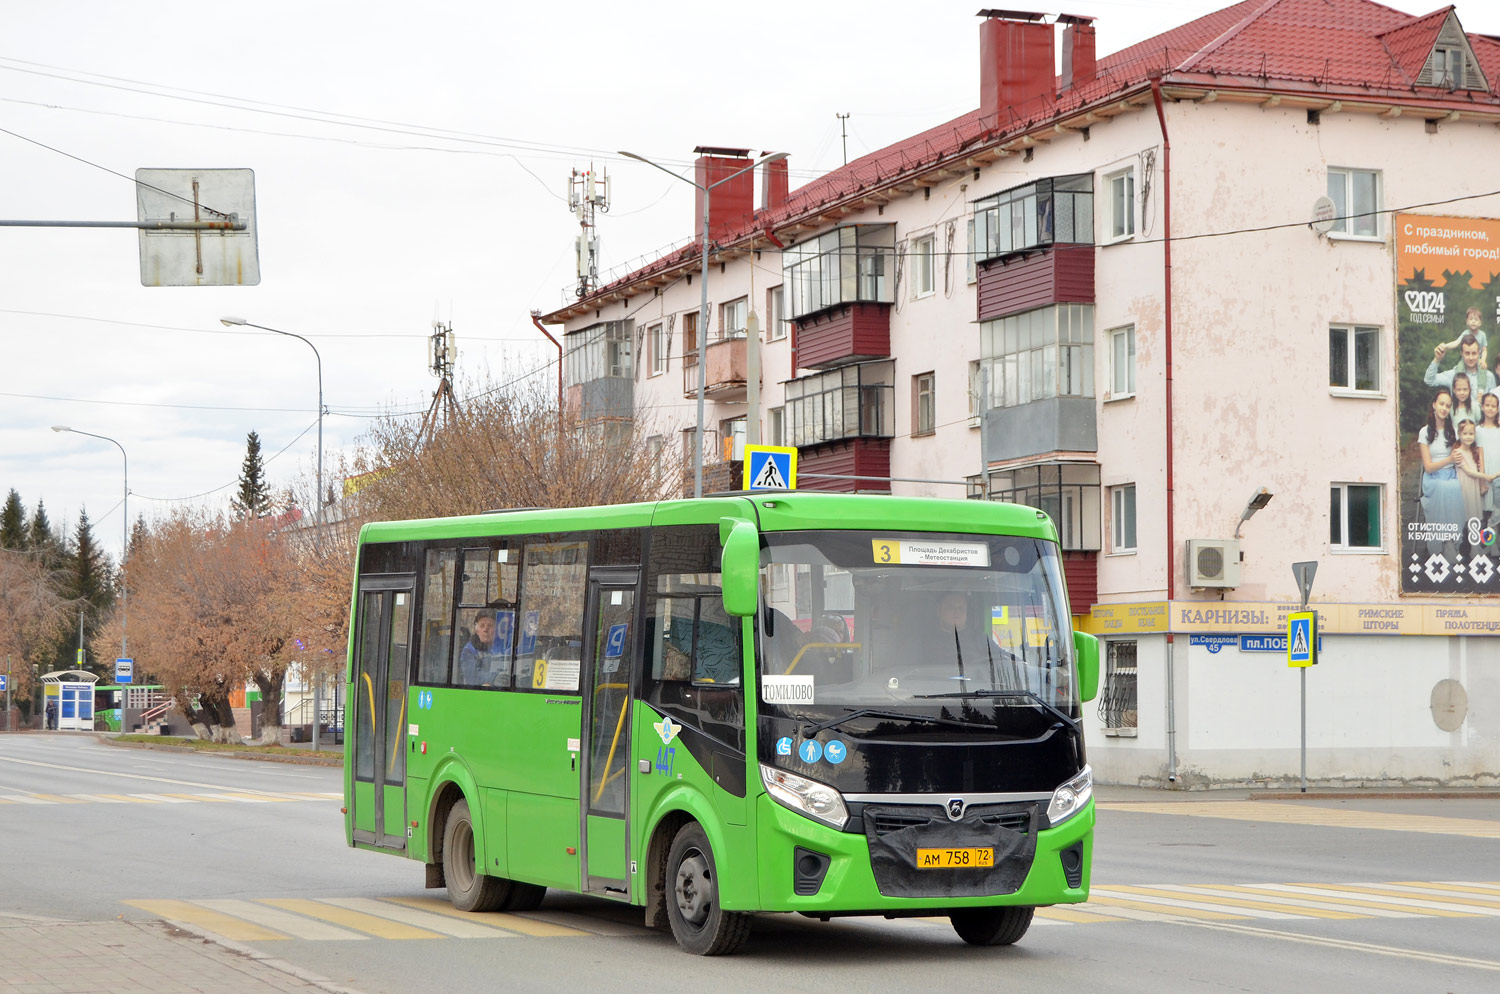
(609,666)
(378,697)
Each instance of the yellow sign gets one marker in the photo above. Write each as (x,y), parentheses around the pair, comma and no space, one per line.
(1126,619)
(1302,638)
(770,467)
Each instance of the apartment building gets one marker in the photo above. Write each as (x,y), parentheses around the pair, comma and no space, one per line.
(1199,300)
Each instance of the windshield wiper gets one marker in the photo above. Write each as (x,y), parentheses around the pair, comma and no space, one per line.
(853,713)
(1024,695)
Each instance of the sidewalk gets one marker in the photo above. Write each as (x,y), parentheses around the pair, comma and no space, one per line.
(137,957)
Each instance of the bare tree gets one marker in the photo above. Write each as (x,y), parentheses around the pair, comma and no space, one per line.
(33,613)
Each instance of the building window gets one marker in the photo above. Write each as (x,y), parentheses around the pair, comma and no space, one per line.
(1356,202)
(1354,517)
(1117,705)
(655,445)
(1354,358)
(776,307)
(1121,203)
(732,439)
(1122,362)
(1036,355)
(970,255)
(1122,518)
(734,318)
(1067,491)
(658,346)
(923,416)
(1058,209)
(775,430)
(923,271)
(853,263)
(690,338)
(853,401)
(598,351)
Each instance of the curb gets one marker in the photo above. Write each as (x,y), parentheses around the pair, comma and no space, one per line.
(1441,793)
(308,758)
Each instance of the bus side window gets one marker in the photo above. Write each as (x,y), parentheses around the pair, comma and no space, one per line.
(554,584)
(437,615)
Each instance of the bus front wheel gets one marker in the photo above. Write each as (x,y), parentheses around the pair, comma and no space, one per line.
(468,889)
(699,924)
(991,926)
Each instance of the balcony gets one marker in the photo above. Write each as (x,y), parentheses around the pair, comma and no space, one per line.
(725,376)
(846,333)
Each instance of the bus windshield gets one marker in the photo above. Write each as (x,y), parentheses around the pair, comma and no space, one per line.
(914,622)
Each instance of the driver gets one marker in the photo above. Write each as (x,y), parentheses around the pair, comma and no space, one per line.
(970,652)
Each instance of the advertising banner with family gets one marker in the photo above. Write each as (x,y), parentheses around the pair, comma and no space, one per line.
(1448,372)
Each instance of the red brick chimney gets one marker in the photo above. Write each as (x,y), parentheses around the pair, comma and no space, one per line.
(731,203)
(1078,65)
(774,185)
(1016,56)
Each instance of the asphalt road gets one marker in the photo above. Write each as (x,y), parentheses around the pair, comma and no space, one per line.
(1192,892)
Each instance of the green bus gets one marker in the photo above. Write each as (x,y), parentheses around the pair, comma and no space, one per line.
(766,702)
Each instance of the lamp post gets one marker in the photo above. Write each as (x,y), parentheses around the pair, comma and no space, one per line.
(702,342)
(124,548)
(232,322)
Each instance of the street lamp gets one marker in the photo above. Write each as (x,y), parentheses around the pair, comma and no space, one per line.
(124,548)
(703,306)
(232,322)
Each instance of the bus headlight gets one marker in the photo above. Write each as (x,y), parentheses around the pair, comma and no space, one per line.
(1070,798)
(808,797)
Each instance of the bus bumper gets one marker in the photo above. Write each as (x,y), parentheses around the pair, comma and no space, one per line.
(1058,872)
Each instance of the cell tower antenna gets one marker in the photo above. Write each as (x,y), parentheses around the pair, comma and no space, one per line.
(588,193)
(442,351)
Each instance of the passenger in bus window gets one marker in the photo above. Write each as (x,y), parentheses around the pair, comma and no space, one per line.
(479,662)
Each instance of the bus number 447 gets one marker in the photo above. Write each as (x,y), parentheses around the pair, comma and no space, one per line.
(664,757)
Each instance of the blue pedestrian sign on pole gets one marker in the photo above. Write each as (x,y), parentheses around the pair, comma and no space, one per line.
(770,467)
(3,686)
(124,670)
(1302,638)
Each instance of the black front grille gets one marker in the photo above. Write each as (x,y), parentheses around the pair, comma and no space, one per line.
(896,831)
(888,821)
(1017,821)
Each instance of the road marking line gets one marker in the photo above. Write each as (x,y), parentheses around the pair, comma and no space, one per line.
(1143,915)
(57,798)
(1312,940)
(595,924)
(385,928)
(1417,888)
(244,798)
(27,799)
(227,926)
(1145,895)
(163,798)
(1155,904)
(502,919)
(422,919)
(1230,901)
(128,797)
(120,773)
(1454,885)
(1365,910)
(200,797)
(1060,915)
(96,798)
(296,926)
(1330,892)
(1298,813)
(1462,904)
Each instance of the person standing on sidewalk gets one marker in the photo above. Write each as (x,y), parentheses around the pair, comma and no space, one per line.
(51,711)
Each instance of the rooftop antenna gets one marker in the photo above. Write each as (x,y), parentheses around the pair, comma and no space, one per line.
(442,350)
(587,193)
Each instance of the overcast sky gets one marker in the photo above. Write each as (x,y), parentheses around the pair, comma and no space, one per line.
(411,165)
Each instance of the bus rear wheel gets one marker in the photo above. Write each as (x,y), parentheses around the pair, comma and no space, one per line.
(991,926)
(468,889)
(699,924)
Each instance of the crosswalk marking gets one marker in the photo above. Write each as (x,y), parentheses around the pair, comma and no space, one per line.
(433,917)
(1303,813)
(292,925)
(226,925)
(228,797)
(384,928)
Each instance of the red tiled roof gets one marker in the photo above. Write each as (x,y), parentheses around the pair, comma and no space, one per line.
(1338,48)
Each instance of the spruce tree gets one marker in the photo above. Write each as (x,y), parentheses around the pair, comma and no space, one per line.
(41,539)
(88,579)
(253,499)
(13,522)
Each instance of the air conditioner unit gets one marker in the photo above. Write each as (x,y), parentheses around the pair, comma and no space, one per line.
(1213,562)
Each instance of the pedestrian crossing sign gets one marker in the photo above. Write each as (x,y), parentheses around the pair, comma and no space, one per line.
(770,467)
(1302,638)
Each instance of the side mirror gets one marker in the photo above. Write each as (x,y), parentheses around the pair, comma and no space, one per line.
(740,568)
(1086,657)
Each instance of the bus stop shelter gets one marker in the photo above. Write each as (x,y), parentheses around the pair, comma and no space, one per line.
(72,692)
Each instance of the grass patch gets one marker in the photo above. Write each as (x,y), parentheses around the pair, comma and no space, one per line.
(205,746)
